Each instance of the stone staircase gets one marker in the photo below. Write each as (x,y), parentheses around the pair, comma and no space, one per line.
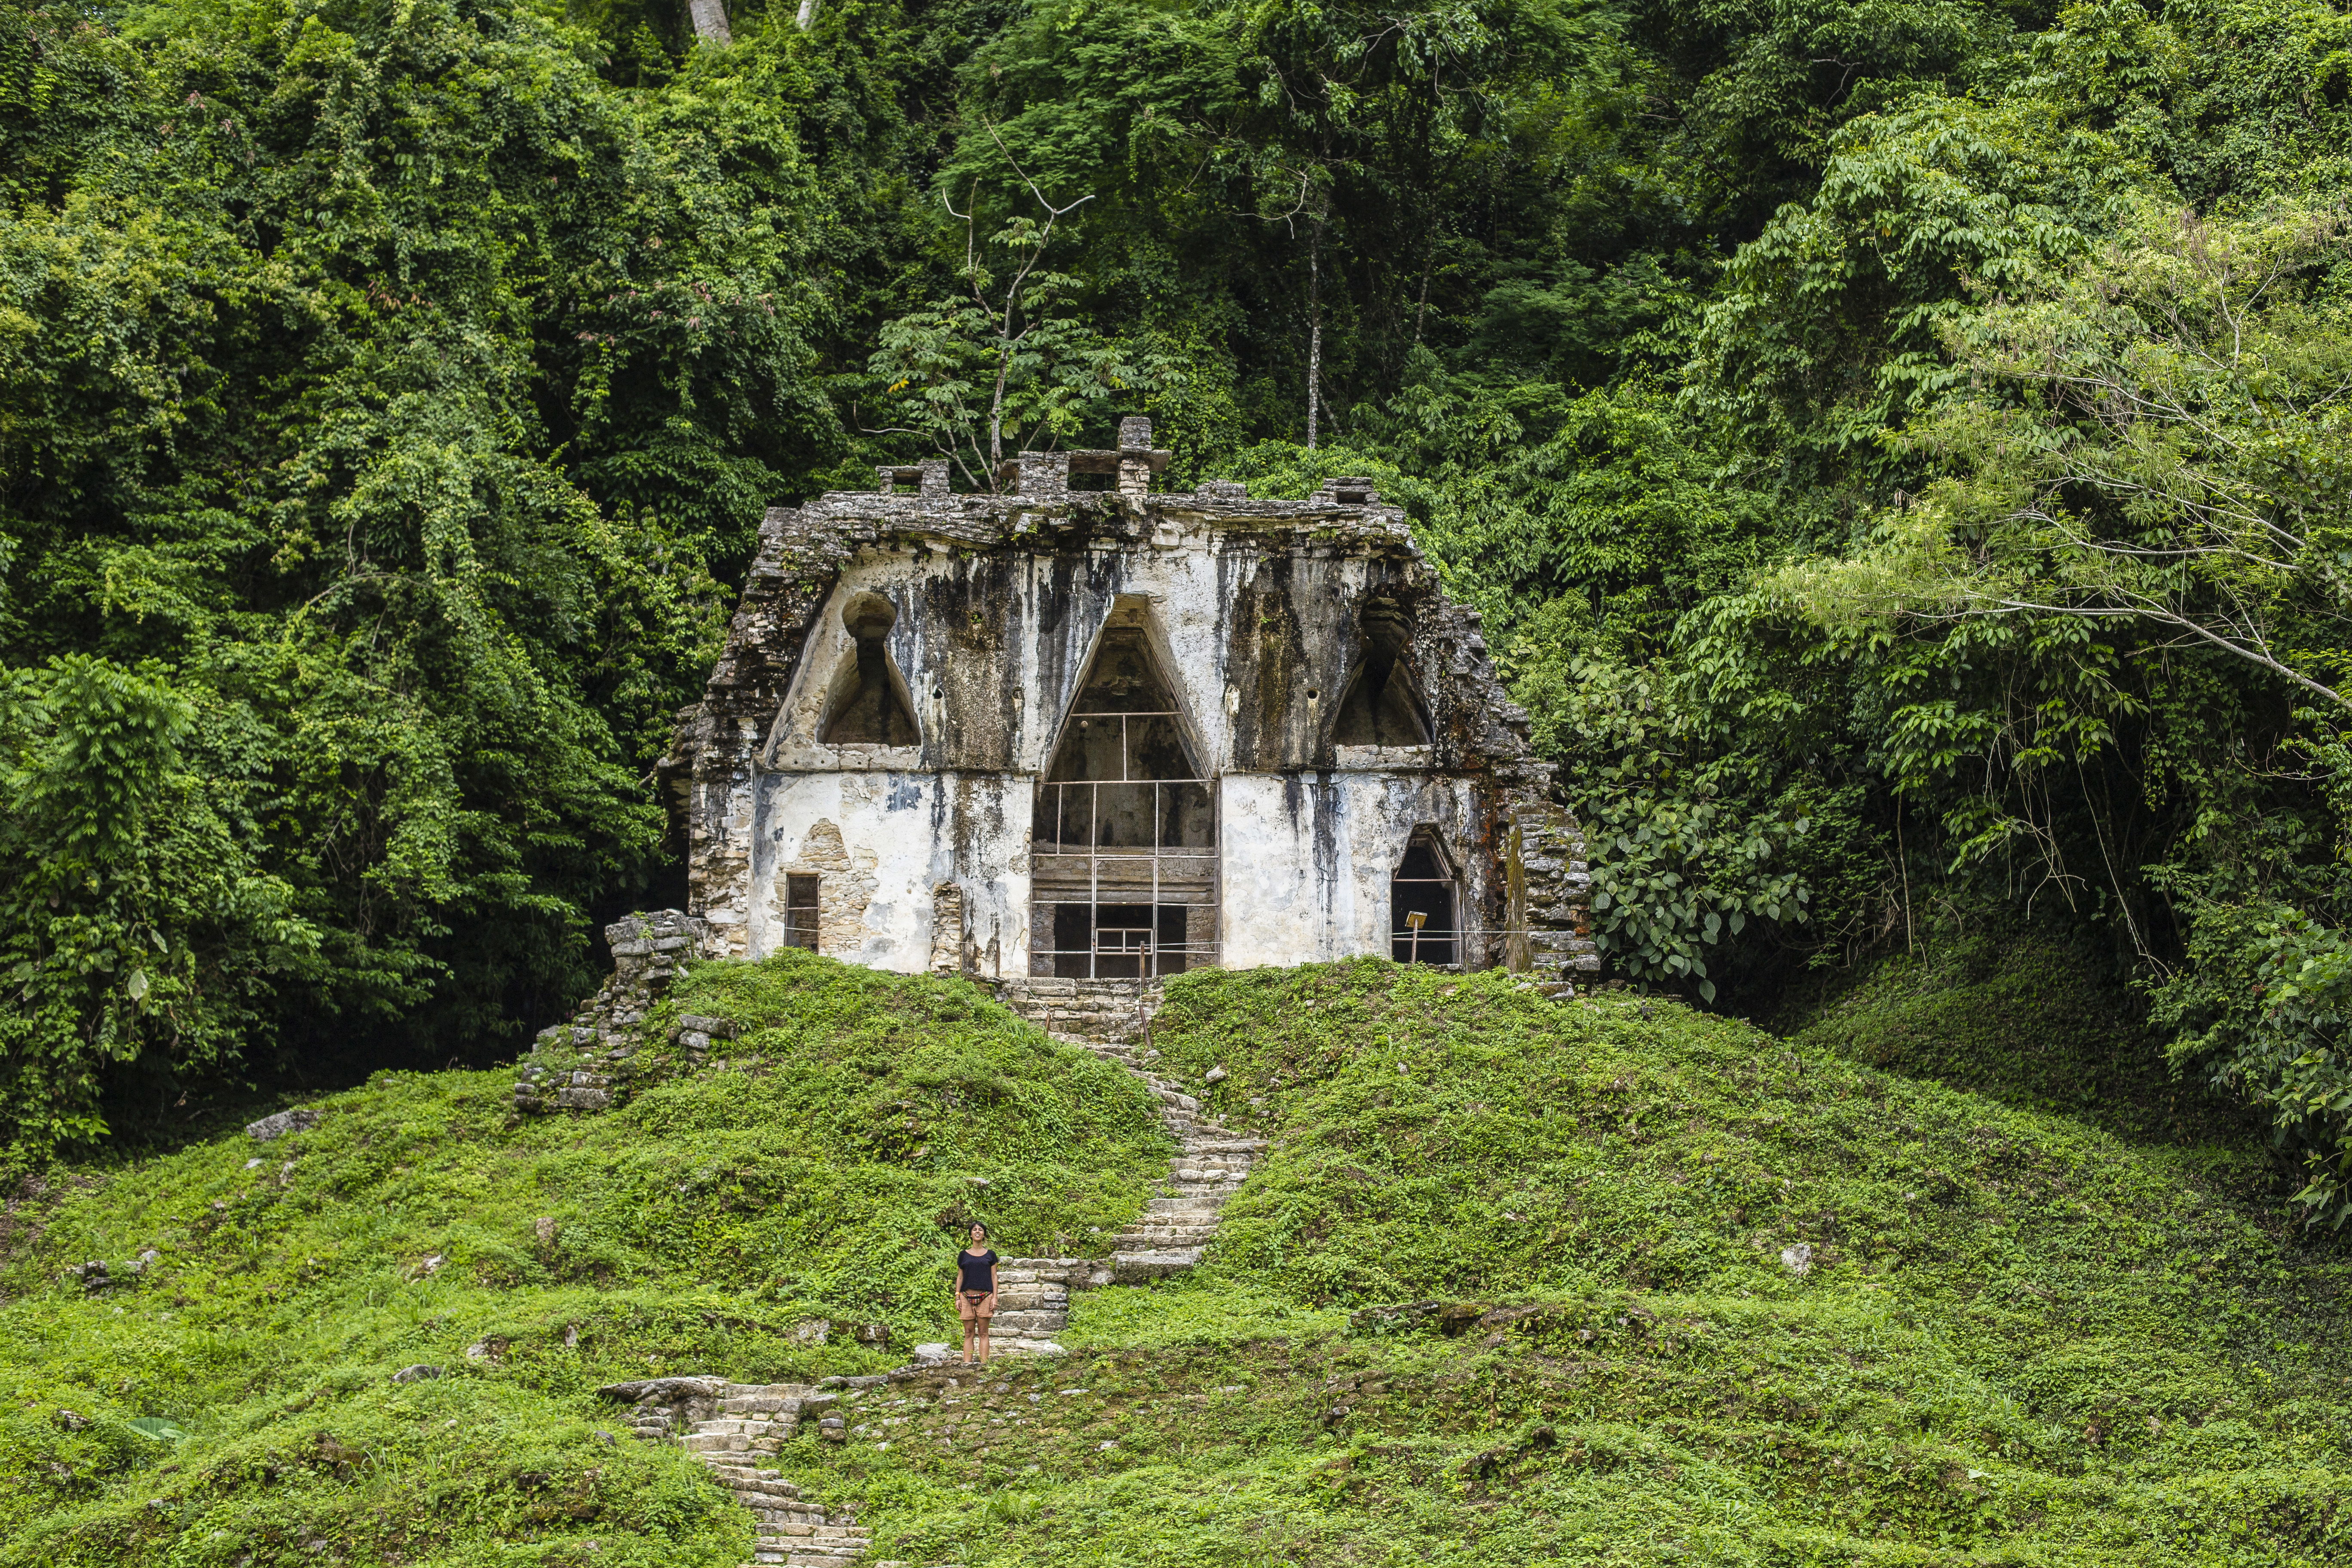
(732,1427)
(1112,1019)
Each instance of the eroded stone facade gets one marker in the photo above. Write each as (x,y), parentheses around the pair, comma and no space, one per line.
(1086,732)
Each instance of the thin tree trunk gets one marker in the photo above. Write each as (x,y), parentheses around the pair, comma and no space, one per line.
(1314,333)
(1421,311)
(807,17)
(709,19)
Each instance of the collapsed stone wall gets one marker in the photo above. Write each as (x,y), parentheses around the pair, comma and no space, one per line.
(591,1062)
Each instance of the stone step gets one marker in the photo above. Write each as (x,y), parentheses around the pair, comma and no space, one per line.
(771,1490)
(761,1405)
(1153,1263)
(1008,1301)
(817,1535)
(1015,1324)
(742,1447)
(739,1474)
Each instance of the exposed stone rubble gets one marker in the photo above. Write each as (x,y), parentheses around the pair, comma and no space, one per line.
(586,1064)
(300,1119)
(1551,895)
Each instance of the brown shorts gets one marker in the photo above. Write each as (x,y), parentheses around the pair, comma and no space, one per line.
(971,1304)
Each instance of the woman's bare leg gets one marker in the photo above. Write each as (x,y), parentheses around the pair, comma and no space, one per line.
(973,1330)
(983,1340)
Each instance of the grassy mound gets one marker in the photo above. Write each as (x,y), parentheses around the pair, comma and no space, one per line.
(1516,1283)
(1622,1283)
(818,1174)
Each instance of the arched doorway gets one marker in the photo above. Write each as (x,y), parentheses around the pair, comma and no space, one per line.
(1124,844)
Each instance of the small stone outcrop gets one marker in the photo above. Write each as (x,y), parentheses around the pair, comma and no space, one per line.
(588,1063)
(300,1119)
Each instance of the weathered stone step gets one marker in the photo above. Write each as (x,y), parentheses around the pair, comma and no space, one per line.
(1152,1263)
(817,1535)
(1183,1205)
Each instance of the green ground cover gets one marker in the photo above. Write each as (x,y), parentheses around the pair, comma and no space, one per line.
(2028,1013)
(1516,1282)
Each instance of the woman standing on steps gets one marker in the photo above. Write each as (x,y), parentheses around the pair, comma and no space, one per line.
(976,1292)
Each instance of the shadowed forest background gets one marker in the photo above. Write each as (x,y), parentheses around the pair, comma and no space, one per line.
(1899,448)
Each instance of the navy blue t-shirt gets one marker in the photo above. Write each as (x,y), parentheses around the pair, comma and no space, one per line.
(978,1270)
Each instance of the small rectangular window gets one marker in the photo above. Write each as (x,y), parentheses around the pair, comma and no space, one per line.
(799,913)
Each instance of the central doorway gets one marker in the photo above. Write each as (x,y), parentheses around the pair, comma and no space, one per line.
(1123,851)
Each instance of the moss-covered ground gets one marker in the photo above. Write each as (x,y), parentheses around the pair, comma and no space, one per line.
(1608,1282)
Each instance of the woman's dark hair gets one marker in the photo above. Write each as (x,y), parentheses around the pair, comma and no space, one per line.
(977,1226)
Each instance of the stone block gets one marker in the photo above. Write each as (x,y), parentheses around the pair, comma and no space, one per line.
(300,1119)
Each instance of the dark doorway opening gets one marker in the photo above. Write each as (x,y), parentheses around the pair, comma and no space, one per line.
(800,911)
(1118,942)
(1424,887)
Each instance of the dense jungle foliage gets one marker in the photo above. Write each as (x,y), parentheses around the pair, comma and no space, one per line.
(1899,448)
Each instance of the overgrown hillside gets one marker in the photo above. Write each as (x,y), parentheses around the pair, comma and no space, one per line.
(1898,452)
(1516,1282)
(818,1173)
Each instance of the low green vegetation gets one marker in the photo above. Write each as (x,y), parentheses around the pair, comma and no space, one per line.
(1517,1281)
(2033,1015)
(814,1175)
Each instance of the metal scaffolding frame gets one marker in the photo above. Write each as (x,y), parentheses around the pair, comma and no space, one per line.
(1140,873)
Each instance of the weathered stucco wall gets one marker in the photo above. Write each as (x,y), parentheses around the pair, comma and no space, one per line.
(881,843)
(1308,857)
(992,649)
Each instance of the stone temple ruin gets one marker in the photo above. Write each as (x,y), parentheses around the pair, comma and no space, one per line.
(1084,729)
(1064,741)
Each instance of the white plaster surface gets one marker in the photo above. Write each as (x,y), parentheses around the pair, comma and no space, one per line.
(1188,586)
(1307,859)
(880,844)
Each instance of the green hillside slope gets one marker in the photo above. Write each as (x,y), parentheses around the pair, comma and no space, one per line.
(1516,1282)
